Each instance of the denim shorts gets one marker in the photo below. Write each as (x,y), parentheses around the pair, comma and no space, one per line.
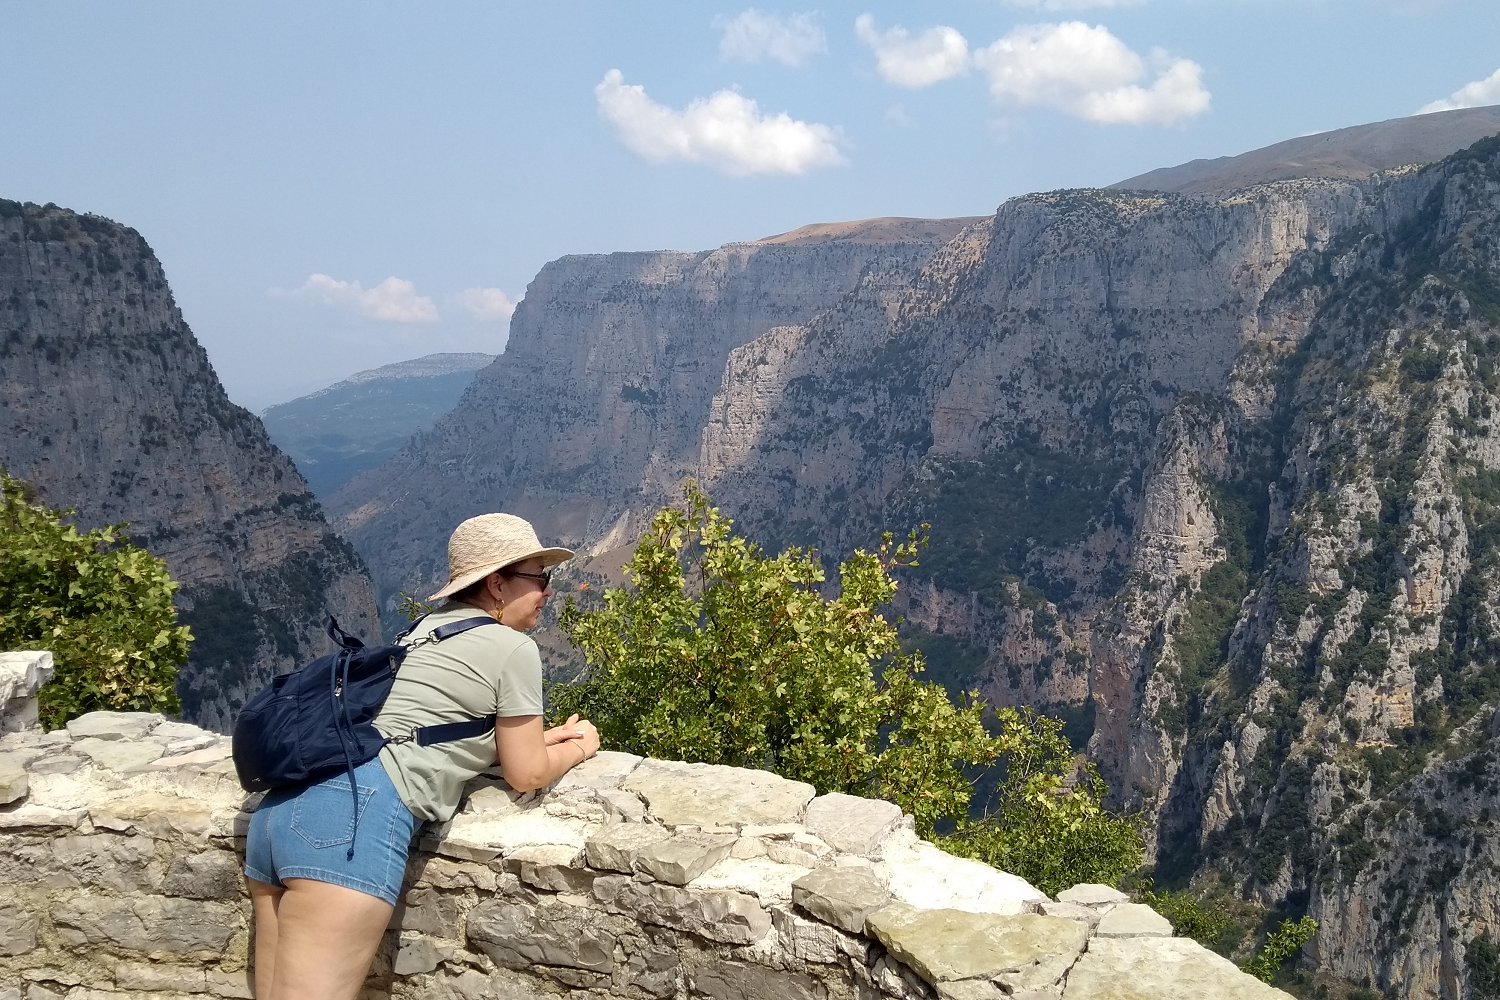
(307,833)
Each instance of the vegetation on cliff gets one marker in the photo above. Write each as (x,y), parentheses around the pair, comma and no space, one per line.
(723,654)
(101,605)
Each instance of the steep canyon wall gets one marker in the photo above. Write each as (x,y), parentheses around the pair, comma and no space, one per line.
(109,405)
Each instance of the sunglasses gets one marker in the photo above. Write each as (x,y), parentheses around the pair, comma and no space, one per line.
(545,579)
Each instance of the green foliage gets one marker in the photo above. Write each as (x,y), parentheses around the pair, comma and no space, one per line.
(1281,946)
(1482,958)
(102,606)
(722,654)
(1047,822)
(996,512)
(1205,918)
(749,665)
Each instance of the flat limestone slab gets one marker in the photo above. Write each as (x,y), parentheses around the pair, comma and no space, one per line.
(707,795)
(852,824)
(927,878)
(947,945)
(843,897)
(1133,920)
(1161,969)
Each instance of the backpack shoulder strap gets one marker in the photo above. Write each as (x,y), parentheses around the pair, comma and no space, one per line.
(451,629)
(428,735)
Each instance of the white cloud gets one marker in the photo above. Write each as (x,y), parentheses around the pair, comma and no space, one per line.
(394,300)
(1088,73)
(487,303)
(1479,94)
(755,35)
(914,61)
(1054,6)
(725,130)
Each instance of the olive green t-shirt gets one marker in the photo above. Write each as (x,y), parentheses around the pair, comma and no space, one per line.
(490,670)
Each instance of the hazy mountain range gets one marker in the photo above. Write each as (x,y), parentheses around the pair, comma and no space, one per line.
(336,433)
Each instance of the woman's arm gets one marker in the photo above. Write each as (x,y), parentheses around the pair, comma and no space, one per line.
(528,760)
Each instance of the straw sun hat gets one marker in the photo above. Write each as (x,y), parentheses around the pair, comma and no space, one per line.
(489,542)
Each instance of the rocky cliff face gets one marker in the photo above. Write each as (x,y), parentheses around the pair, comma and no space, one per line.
(593,414)
(110,406)
(1212,477)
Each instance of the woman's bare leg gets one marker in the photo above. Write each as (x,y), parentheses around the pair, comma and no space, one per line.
(263,902)
(326,937)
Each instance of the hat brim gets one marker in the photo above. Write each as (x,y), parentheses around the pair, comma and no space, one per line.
(549,557)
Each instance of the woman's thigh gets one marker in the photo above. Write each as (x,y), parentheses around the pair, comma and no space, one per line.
(326,938)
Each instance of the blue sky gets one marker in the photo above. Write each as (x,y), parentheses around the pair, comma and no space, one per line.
(333,186)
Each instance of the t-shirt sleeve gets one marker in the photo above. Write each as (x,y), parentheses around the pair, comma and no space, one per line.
(520,688)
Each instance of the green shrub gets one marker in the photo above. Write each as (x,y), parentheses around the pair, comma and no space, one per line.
(102,606)
(722,654)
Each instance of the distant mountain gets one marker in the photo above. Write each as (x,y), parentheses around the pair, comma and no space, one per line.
(1344,154)
(108,404)
(336,433)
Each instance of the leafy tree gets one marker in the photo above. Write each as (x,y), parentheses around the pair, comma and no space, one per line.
(722,654)
(1047,822)
(1281,946)
(1482,957)
(102,606)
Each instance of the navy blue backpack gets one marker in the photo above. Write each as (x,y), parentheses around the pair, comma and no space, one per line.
(319,719)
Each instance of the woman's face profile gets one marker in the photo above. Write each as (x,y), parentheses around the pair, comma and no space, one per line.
(523,595)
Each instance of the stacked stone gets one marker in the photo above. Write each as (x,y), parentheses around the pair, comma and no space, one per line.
(631,878)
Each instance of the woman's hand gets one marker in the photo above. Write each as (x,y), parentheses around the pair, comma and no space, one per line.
(561,734)
(578,729)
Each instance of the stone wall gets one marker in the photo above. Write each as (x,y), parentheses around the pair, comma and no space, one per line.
(121,838)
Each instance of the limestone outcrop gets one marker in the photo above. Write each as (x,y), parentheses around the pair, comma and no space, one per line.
(630,878)
(1211,477)
(108,405)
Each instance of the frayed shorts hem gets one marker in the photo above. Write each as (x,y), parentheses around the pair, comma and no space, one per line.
(331,878)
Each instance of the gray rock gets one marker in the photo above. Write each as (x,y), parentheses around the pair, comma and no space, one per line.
(1133,920)
(614,849)
(13,781)
(154,926)
(726,916)
(652,971)
(818,943)
(418,953)
(62,763)
(426,911)
(738,981)
(517,936)
(17,930)
(1087,915)
(209,875)
(124,757)
(1161,969)
(843,897)
(706,795)
(947,945)
(682,857)
(122,864)
(1092,894)
(852,824)
(178,732)
(622,806)
(604,771)
(552,868)
(114,726)
(971,989)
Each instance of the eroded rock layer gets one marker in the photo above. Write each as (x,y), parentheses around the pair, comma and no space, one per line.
(109,405)
(1212,477)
